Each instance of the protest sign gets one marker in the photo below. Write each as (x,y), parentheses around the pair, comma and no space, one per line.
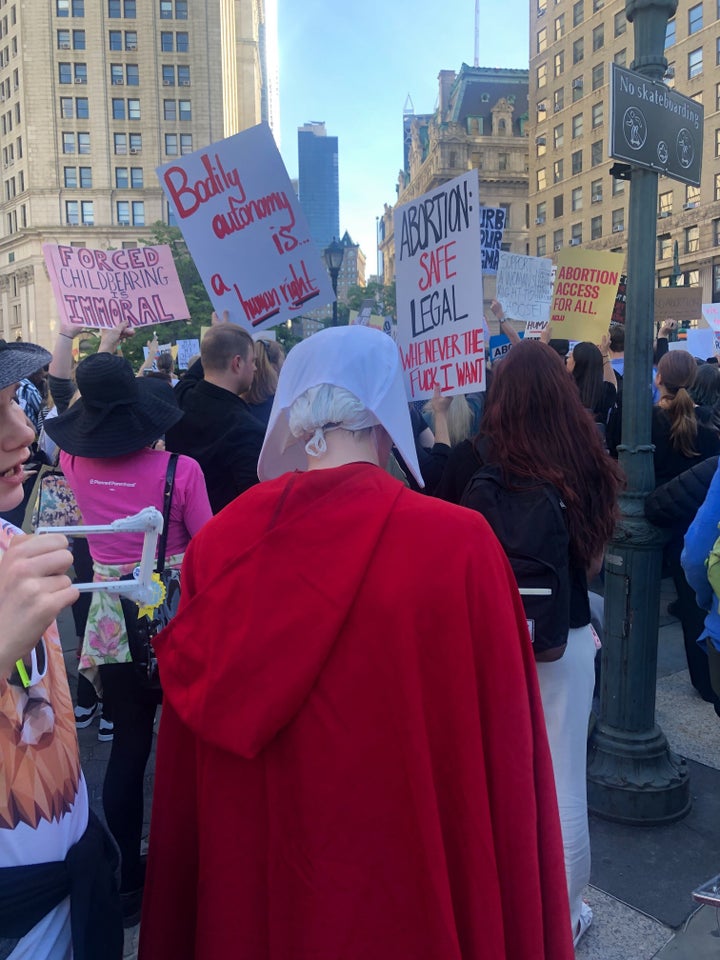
(678,303)
(439,290)
(186,350)
(711,315)
(245,230)
(492,225)
(700,343)
(618,314)
(102,288)
(524,288)
(365,317)
(584,294)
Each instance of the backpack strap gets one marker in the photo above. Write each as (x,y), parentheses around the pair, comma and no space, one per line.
(167,501)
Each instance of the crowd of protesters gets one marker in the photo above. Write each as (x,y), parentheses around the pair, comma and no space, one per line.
(349,763)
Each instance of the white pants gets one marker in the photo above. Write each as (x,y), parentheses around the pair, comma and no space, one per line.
(566,688)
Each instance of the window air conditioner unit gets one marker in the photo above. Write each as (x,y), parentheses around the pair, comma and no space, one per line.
(540,11)
(118,82)
(670,73)
(167,83)
(617,227)
(184,83)
(596,198)
(575,242)
(539,221)
(540,141)
(64,46)
(135,150)
(557,246)
(664,213)
(541,107)
(131,46)
(690,205)
(80,80)
(577,83)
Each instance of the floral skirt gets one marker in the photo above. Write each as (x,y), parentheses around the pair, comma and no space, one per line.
(105,639)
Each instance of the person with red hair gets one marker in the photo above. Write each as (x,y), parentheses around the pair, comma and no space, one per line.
(535,429)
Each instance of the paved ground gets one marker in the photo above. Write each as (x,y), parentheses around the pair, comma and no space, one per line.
(642,877)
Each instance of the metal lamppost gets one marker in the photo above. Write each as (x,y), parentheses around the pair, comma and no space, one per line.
(333,256)
(633,776)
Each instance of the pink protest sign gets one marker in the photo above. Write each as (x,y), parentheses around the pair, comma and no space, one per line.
(243,225)
(101,288)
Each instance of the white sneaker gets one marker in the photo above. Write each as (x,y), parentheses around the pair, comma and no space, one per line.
(105,730)
(84,716)
(586,918)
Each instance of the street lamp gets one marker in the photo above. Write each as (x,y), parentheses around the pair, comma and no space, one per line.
(333,256)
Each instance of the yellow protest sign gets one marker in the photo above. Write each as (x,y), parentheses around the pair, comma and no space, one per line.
(586,283)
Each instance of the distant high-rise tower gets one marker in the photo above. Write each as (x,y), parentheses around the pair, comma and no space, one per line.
(318,179)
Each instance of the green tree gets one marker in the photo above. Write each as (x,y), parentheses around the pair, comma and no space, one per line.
(196,296)
(383,295)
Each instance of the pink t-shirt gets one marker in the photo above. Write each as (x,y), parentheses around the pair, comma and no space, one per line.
(107,489)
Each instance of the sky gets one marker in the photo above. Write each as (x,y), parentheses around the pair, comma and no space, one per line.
(352,65)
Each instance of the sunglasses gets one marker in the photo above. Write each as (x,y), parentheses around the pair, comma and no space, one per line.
(31,669)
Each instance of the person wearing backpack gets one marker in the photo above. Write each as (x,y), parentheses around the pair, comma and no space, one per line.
(701,563)
(539,473)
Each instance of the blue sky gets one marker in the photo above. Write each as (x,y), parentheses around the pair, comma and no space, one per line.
(353,65)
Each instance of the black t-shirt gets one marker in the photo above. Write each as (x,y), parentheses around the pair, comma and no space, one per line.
(462,463)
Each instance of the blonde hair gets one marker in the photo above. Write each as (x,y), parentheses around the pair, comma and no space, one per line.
(677,370)
(269,356)
(460,419)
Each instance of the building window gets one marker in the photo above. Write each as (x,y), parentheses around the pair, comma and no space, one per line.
(692,195)
(576,234)
(131,40)
(87,212)
(68,143)
(181,10)
(72,212)
(596,153)
(115,40)
(133,107)
(541,246)
(541,75)
(692,239)
(620,23)
(664,247)
(166,41)
(576,162)
(695,18)
(65,72)
(138,213)
(63,39)
(557,206)
(596,228)
(618,186)
(618,220)
(120,143)
(577,88)
(117,74)
(503,161)
(558,99)
(597,114)
(171,144)
(132,75)
(85,178)
(557,171)
(665,202)
(114,9)
(185,109)
(540,146)
(67,108)
(717,142)
(598,5)
(186,144)
(716,233)
(560,27)
(620,57)
(122,181)
(596,191)
(670,33)
(166,9)
(183,75)
(169,110)
(182,41)
(118,108)
(695,63)
(598,37)
(558,135)
(577,125)
(541,177)
(541,40)
(559,63)
(83,143)
(557,240)
(578,13)
(716,192)
(135,141)
(540,213)
(578,50)
(168,76)
(136,178)
(122,212)
(70,177)
(576,199)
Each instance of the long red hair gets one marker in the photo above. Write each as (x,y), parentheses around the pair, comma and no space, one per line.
(535,427)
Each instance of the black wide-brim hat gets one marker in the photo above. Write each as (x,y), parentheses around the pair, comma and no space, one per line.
(117,413)
(20,360)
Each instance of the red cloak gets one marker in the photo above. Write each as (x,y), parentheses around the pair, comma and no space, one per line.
(352,761)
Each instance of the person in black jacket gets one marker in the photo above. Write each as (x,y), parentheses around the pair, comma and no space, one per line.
(218,429)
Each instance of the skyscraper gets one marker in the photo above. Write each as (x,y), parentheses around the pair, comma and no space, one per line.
(318,180)
(93,97)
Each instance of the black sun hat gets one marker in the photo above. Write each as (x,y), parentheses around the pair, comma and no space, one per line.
(116,414)
(19,360)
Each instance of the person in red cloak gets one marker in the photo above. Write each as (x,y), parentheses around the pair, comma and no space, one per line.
(352,761)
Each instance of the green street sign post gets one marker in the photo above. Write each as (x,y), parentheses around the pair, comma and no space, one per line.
(654,127)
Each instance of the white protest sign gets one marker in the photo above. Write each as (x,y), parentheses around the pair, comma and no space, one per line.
(700,343)
(524,288)
(492,226)
(245,230)
(162,348)
(711,315)
(439,290)
(186,350)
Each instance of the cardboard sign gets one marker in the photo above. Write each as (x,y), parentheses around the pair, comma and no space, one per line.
(102,288)
(245,230)
(678,303)
(186,350)
(492,226)
(524,288)
(365,317)
(584,294)
(439,290)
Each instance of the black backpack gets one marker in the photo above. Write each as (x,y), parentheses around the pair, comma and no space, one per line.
(529,520)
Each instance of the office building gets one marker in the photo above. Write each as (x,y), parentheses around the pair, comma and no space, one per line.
(573,198)
(480,123)
(319,184)
(94,95)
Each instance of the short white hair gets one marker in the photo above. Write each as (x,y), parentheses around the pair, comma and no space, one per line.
(323,408)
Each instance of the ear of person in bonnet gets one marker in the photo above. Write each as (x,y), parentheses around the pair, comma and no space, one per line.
(362,361)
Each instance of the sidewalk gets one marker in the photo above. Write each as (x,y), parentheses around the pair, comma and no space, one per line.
(642,877)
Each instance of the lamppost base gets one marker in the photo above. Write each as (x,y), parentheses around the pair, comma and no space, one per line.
(635,778)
